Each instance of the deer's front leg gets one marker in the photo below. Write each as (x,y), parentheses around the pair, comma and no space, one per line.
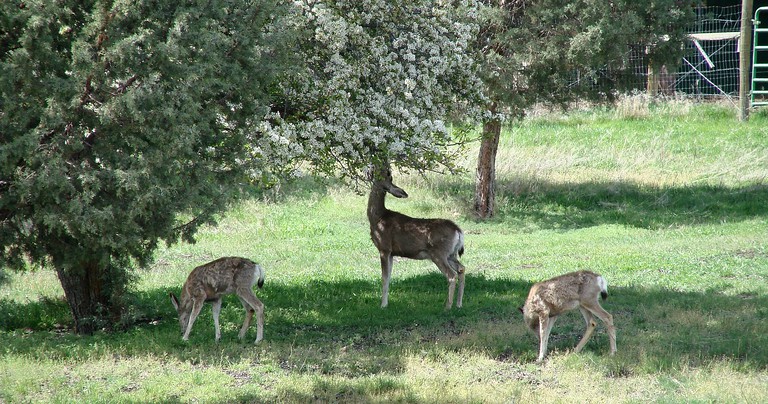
(545,328)
(606,318)
(196,307)
(386,272)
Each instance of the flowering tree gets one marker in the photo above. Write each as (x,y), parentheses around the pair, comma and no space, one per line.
(379,79)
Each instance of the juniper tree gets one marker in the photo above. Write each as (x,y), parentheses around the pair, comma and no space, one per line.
(124,124)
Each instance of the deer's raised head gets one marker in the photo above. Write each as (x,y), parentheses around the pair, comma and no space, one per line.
(397,235)
(381,177)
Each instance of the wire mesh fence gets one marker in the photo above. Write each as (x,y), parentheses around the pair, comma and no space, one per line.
(709,66)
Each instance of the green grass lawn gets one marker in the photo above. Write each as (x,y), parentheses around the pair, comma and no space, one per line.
(669,202)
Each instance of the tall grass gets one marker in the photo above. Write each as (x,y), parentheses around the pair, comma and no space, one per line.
(667,201)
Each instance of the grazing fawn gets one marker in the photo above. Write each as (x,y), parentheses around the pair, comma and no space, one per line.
(209,282)
(395,234)
(550,298)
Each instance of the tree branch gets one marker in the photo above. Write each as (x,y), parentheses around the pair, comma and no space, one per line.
(123,87)
(87,92)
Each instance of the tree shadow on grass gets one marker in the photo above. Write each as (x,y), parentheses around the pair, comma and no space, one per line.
(366,349)
(41,314)
(665,329)
(337,327)
(554,205)
(545,204)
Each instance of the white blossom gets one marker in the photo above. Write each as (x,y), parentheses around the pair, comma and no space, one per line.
(380,76)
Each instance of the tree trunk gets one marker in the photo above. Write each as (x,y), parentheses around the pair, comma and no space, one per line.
(84,290)
(486,169)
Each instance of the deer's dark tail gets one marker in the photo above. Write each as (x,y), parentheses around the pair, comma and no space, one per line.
(603,284)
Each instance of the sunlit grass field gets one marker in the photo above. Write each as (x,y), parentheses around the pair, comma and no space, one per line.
(668,201)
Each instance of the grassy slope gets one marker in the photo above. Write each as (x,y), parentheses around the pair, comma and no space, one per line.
(669,204)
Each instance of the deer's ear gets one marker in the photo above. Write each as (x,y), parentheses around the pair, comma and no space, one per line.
(174,301)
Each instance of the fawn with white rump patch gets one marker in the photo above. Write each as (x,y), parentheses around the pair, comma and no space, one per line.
(395,234)
(209,282)
(550,298)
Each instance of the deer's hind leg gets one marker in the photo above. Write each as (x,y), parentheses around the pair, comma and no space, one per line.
(460,293)
(216,309)
(450,274)
(606,318)
(591,324)
(252,305)
(459,268)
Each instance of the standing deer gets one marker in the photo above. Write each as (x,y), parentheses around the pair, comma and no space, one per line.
(209,282)
(395,234)
(550,298)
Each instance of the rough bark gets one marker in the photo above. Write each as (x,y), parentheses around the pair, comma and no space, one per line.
(485,185)
(84,289)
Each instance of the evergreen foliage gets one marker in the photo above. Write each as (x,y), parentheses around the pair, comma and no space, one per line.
(123,124)
(127,123)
